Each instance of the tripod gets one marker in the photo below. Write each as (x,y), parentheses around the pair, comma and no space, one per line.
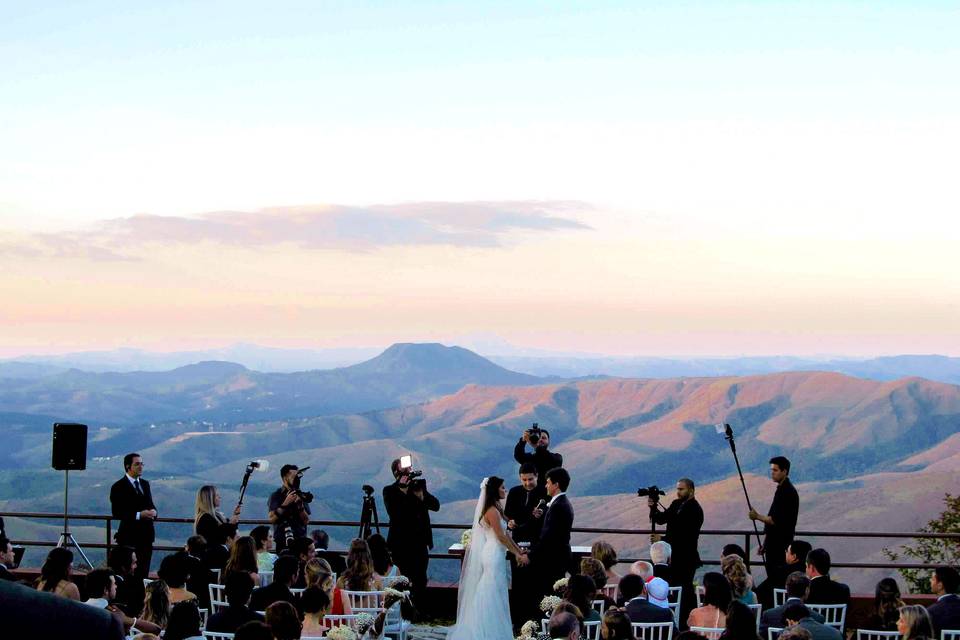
(368,514)
(66,538)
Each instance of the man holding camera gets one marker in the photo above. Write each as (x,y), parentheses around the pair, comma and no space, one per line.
(542,458)
(288,512)
(684,519)
(410,539)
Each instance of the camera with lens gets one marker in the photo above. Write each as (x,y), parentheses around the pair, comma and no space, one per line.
(653,491)
(406,468)
(305,496)
(533,434)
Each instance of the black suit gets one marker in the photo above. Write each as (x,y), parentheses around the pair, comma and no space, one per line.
(28,613)
(519,507)
(410,538)
(6,575)
(263,597)
(777,537)
(684,519)
(227,620)
(550,556)
(664,571)
(945,613)
(199,577)
(125,504)
(544,460)
(130,593)
(216,557)
(774,617)
(823,590)
(640,610)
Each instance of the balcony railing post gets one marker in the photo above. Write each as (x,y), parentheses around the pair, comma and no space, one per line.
(109,527)
(746,549)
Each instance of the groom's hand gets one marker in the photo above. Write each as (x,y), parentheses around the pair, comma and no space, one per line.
(536,513)
(523,560)
(511,524)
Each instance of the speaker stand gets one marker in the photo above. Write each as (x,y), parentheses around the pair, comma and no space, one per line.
(66,538)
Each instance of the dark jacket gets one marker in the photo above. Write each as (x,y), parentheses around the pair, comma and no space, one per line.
(409,517)
(28,613)
(554,543)
(639,610)
(216,557)
(819,631)
(209,527)
(125,504)
(263,597)
(663,571)
(945,613)
(519,507)
(774,617)
(6,575)
(823,590)
(683,518)
(227,620)
(541,458)
(130,594)
(784,510)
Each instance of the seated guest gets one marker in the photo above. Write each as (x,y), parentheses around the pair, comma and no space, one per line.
(173,571)
(579,592)
(7,559)
(735,571)
(823,590)
(733,550)
(358,575)
(146,636)
(796,557)
(27,613)
(285,572)
(122,561)
(218,553)
(253,631)
(284,621)
(914,623)
(792,633)
(243,557)
(304,550)
(593,568)
(616,626)
(637,607)
(741,623)
(55,574)
(198,575)
(607,555)
(237,588)
(945,612)
(643,569)
(660,553)
(156,603)
(184,622)
(101,587)
(797,584)
(263,538)
(799,614)
(315,604)
(321,543)
(319,575)
(716,600)
(564,625)
(383,566)
(886,606)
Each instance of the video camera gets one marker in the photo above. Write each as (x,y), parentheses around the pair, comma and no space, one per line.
(534,433)
(305,496)
(406,468)
(653,491)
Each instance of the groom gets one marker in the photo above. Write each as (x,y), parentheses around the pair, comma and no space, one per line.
(549,557)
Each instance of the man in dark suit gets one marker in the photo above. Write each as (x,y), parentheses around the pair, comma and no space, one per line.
(799,614)
(7,559)
(408,505)
(684,519)
(524,513)
(945,612)
(321,545)
(285,571)
(796,561)
(549,557)
(28,613)
(780,523)
(639,609)
(823,590)
(542,458)
(132,505)
(796,585)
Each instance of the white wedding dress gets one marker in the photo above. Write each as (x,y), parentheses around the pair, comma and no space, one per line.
(483,605)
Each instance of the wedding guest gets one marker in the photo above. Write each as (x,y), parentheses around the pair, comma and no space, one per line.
(243,557)
(321,542)
(580,592)
(945,612)
(319,575)
(637,607)
(716,600)
(735,571)
(156,603)
(284,621)
(237,588)
(315,604)
(284,574)
(198,575)
(914,623)
(564,626)
(886,606)
(263,537)
(130,591)
(616,626)
(383,566)
(660,553)
(173,571)
(55,574)
(593,569)
(741,623)
(605,553)
(359,575)
(253,630)
(184,622)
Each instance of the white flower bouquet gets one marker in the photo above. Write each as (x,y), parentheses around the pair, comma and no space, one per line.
(342,632)
(560,585)
(549,603)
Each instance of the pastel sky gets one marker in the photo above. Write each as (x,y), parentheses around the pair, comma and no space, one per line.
(642,178)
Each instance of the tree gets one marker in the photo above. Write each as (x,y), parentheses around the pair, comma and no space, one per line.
(932,550)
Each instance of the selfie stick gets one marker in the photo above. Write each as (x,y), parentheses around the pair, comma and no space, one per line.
(727,430)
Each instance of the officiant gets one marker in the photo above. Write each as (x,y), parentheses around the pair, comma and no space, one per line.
(524,513)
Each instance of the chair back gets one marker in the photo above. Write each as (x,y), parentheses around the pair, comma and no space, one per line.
(779,597)
(216,606)
(873,634)
(834,615)
(774,632)
(610,590)
(203,618)
(215,635)
(591,629)
(364,599)
(599,605)
(674,594)
(652,630)
(950,634)
(701,591)
(757,610)
(710,633)
(266,577)
(331,621)
(675,610)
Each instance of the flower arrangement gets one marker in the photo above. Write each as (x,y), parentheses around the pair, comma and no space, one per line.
(529,629)
(342,632)
(560,585)
(549,603)
(365,622)
(465,539)
(392,596)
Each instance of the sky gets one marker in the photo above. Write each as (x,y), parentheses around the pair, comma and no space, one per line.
(624,178)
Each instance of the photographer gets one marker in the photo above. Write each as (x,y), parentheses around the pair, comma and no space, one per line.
(684,518)
(542,458)
(408,504)
(288,511)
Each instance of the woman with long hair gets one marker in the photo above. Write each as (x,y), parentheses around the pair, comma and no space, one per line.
(616,626)
(741,623)
(580,591)
(741,584)
(383,566)
(55,574)
(914,623)
(716,600)
(243,557)
(156,603)
(607,555)
(263,537)
(886,606)
(208,518)
(359,575)
(319,574)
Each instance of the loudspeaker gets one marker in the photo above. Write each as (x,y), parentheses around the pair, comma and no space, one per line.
(69,446)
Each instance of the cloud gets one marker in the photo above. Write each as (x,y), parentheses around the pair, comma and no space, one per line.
(461,224)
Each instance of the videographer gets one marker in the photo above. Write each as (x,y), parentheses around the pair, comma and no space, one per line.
(289,511)
(684,519)
(542,458)
(408,505)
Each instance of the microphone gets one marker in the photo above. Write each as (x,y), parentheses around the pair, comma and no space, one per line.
(541,504)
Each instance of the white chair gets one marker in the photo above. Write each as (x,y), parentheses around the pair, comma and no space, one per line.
(774,632)
(757,610)
(779,597)
(297,592)
(364,599)
(266,577)
(213,635)
(592,630)
(203,618)
(652,630)
(218,597)
(834,615)
(710,633)
(674,594)
(146,582)
(675,610)
(610,590)
(599,605)
(950,634)
(216,574)
(216,606)
(700,593)
(331,621)
(873,634)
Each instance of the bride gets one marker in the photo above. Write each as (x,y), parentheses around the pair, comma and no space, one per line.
(483,607)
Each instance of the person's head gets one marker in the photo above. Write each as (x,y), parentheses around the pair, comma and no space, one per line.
(7,557)
(796,585)
(314,600)
(184,621)
(146,636)
(795,612)
(604,552)
(564,625)
(595,570)
(156,603)
(685,489)
(253,630)
(794,633)
(716,590)
(643,569)
(288,475)
(243,555)
(779,469)
(631,586)
(945,580)
(263,537)
(133,465)
(732,550)
(741,622)
(173,570)
(303,549)
(558,479)
(58,566)
(797,552)
(528,476)
(237,587)
(818,563)
(284,621)
(658,592)
(359,566)
(286,569)
(735,571)
(493,493)
(317,573)
(914,622)
(616,626)
(887,595)
(580,591)
(100,583)
(122,560)
(195,545)
(380,553)
(320,539)
(660,552)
